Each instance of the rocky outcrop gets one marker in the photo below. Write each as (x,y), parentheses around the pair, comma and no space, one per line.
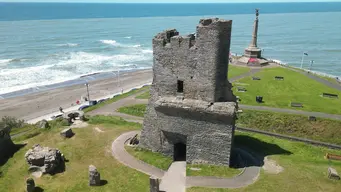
(73,115)
(332,174)
(67,133)
(94,176)
(44,159)
(43,124)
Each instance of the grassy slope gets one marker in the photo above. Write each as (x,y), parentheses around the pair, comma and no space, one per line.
(325,130)
(144,95)
(116,99)
(294,88)
(136,110)
(235,71)
(86,147)
(304,170)
(163,162)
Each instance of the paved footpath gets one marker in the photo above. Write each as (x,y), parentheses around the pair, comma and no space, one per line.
(291,111)
(252,71)
(318,79)
(131,100)
(174,179)
(248,176)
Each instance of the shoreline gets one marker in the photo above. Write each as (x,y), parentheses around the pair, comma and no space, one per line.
(87,78)
(38,104)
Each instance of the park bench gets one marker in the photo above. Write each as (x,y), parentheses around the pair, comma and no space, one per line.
(255,78)
(259,99)
(330,95)
(241,89)
(293,104)
(330,156)
(279,78)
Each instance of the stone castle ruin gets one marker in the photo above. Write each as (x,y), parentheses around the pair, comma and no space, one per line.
(191,112)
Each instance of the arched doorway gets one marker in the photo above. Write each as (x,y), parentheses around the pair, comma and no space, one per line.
(179,152)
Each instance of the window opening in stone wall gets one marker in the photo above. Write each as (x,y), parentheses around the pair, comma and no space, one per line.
(180,86)
(179,152)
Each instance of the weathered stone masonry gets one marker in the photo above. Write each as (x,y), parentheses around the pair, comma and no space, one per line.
(192,110)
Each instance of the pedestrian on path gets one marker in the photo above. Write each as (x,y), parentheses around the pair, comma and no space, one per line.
(61,109)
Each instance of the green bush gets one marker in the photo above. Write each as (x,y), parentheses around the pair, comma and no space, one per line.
(8,123)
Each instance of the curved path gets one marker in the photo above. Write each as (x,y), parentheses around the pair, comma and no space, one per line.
(291,111)
(318,79)
(111,109)
(247,177)
(252,71)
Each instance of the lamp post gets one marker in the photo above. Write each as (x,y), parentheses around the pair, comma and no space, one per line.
(87,89)
(304,54)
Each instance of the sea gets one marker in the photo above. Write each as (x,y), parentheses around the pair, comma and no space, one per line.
(48,45)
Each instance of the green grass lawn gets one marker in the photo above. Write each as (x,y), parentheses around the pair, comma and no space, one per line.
(144,95)
(305,169)
(163,162)
(235,71)
(124,95)
(136,110)
(294,88)
(325,130)
(86,147)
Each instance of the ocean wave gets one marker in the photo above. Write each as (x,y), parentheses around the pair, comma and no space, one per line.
(64,67)
(109,42)
(4,62)
(68,45)
(116,44)
(147,51)
(128,37)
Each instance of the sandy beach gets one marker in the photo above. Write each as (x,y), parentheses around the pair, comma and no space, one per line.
(38,104)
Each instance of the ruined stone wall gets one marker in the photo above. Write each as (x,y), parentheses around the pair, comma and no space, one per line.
(201,63)
(6,144)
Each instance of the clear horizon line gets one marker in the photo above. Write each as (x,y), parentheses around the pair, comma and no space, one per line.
(87,2)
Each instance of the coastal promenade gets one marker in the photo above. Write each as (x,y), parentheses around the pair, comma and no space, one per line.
(43,105)
(34,107)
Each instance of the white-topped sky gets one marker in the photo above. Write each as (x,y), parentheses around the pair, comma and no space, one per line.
(170,1)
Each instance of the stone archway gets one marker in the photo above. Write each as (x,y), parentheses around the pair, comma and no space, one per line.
(179,152)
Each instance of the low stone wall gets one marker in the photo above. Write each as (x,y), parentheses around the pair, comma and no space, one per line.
(6,145)
(308,141)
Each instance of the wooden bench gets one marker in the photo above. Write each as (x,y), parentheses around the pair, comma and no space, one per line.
(330,156)
(293,104)
(241,89)
(332,174)
(259,99)
(330,95)
(279,78)
(255,78)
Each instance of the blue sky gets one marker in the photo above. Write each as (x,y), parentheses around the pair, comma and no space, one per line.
(170,1)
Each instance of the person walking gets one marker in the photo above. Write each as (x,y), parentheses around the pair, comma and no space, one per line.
(61,109)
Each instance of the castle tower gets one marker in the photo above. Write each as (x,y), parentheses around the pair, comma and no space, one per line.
(191,112)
